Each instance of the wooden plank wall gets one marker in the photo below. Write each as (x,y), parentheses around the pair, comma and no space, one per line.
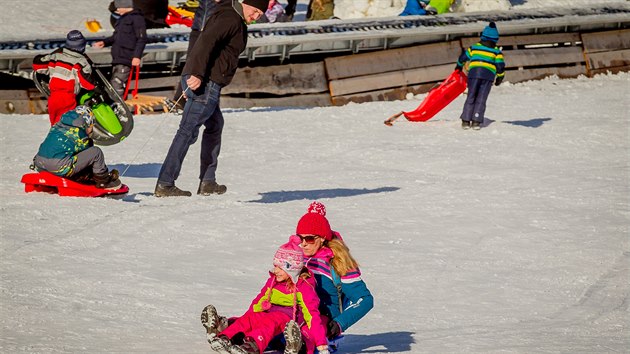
(389,73)
(281,85)
(607,51)
(392,74)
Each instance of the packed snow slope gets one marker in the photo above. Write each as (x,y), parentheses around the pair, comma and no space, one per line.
(512,239)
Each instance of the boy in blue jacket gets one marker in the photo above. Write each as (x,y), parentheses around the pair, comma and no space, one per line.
(68,151)
(486,64)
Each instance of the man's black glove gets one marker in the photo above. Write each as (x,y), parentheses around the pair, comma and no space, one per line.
(458,68)
(334,330)
(498,80)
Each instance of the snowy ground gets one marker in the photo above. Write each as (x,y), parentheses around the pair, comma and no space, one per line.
(510,239)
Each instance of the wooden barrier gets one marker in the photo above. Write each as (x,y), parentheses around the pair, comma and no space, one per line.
(534,57)
(389,74)
(607,51)
(392,74)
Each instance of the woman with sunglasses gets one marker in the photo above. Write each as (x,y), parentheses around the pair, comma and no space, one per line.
(344,296)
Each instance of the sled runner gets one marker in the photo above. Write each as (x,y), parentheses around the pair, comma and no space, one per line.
(50,183)
(113,119)
(438,98)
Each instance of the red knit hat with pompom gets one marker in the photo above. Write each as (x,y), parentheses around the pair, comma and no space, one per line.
(314,222)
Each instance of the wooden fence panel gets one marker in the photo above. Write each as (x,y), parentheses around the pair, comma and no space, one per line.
(601,60)
(312,100)
(279,80)
(390,79)
(393,94)
(606,41)
(537,39)
(392,60)
(514,76)
(543,56)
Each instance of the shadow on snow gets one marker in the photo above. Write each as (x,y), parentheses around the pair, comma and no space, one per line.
(145,170)
(286,196)
(391,342)
(532,123)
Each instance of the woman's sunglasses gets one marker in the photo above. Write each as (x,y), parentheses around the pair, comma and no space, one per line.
(308,239)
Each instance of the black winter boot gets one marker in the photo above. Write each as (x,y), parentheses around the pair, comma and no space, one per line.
(465,124)
(293,338)
(220,344)
(476,125)
(107,180)
(212,321)
(249,346)
(210,187)
(169,191)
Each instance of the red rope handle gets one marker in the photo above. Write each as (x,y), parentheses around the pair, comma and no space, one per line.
(135,90)
(124,97)
(134,94)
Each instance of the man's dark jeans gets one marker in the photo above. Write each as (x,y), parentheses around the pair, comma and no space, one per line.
(202,108)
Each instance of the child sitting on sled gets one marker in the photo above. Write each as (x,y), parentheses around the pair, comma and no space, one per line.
(287,300)
(68,151)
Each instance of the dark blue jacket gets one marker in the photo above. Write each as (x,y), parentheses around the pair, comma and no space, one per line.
(129,38)
(414,7)
(203,12)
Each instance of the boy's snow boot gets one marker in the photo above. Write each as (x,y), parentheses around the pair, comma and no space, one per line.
(210,187)
(113,174)
(106,180)
(476,125)
(293,338)
(212,321)
(220,344)
(249,346)
(169,191)
(465,124)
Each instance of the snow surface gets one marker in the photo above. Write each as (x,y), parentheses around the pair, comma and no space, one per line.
(509,239)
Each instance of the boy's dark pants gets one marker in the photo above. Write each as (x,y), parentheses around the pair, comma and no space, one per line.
(120,75)
(475,106)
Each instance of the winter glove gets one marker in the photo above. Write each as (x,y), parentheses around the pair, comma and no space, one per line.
(458,67)
(334,330)
(498,80)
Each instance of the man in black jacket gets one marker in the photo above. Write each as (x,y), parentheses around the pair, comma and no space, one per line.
(211,65)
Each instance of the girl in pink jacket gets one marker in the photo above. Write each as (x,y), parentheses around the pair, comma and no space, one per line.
(287,300)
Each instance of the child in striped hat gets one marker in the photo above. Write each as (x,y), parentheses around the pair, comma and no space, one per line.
(485,68)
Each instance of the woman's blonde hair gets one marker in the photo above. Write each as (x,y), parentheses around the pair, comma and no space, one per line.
(342,260)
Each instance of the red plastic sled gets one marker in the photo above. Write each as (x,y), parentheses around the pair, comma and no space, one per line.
(49,183)
(175,18)
(438,98)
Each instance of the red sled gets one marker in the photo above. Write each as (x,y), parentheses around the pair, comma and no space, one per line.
(438,98)
(49,183)
(175,18)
